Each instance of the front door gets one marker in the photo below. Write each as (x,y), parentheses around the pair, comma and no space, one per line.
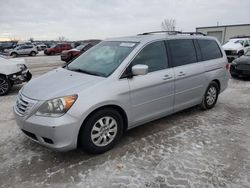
(152,95)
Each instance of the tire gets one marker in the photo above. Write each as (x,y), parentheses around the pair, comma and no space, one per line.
(14,54)
(5,85)
(240,53)
(211,96)
(33,53)
(92,136)
(52,53)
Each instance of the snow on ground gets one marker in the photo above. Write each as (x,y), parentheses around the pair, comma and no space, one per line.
(192,148)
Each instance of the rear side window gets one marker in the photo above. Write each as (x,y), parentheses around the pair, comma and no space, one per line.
(182,52)
(154,55)
(209,49)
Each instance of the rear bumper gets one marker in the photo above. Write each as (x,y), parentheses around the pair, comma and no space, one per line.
(59,134)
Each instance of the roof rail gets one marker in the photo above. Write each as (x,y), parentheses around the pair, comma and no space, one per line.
(240,36)
(174,33)
(155,32)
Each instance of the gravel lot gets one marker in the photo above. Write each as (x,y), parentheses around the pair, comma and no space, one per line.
(192,148)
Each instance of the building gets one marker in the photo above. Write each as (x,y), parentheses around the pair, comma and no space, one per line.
(225,32)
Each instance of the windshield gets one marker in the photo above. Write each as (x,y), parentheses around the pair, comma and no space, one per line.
(247,53)
(103,59)
(239,41)
(80,47)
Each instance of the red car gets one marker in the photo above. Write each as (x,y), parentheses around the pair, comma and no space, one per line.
(69,55)
(58,48)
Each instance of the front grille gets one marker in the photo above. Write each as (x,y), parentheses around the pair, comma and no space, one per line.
(243,67)
(23,105)
(230,52)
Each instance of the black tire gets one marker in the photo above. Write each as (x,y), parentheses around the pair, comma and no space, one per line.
(52,53)
(85,140)
(240,53)
(5,85)
(13,54)
(209,99)
(32,53)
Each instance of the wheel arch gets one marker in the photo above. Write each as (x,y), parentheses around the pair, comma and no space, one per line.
(218,83)
(112,106)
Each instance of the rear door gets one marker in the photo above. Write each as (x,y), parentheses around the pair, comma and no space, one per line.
(189,75)
(152,95)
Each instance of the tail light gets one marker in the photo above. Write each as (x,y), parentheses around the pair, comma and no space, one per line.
(227,66)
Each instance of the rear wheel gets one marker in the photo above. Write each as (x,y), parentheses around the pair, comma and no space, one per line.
(5,85)
(101,131)
(211,96)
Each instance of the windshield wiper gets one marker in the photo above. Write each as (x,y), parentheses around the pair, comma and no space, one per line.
(85,72)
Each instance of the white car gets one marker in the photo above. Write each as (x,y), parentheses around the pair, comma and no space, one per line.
(30,50)
(12,72)
(236,47)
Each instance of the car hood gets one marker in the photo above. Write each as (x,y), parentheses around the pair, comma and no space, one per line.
(243,60)
(58,83)
(232,46)
(71,50)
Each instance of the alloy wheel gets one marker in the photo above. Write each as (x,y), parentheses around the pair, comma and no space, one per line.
(104,131)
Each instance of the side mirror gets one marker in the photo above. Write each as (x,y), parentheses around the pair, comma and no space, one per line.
(139,70)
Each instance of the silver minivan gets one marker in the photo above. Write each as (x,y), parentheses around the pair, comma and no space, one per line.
(119,84)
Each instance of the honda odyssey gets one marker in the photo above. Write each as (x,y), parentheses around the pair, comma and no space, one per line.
(119,84)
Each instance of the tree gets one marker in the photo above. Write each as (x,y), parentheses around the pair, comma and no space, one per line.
(62,39)
(168,24)
(31,39)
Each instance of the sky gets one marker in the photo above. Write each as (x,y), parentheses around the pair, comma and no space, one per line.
(100,19)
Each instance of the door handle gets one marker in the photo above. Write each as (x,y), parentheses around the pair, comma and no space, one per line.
(166,77)
(181,74)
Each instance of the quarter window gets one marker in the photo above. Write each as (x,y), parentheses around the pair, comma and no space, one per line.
(182,52)
(209,49)
(154,55)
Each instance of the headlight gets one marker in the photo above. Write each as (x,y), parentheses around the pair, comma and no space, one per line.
(56,107)
(21,66)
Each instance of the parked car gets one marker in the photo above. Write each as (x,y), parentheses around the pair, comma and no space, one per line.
(7,45)
(236,47)
(241,66)
(12,72)
(23,50)
(41,47)
(68,55)
(120,84)
(58,48)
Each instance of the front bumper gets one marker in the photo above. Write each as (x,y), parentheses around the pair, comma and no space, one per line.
(59,134)
(20,77)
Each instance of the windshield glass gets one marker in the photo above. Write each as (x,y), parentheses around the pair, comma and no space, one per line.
(239,41)
(247,53)
(53,46)
(80,47)
(103,59)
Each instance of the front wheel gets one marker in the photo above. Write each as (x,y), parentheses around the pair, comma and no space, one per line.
(5,85)
(211,96)
(101,131)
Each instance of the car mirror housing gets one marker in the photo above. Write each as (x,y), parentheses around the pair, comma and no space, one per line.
(139,70)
